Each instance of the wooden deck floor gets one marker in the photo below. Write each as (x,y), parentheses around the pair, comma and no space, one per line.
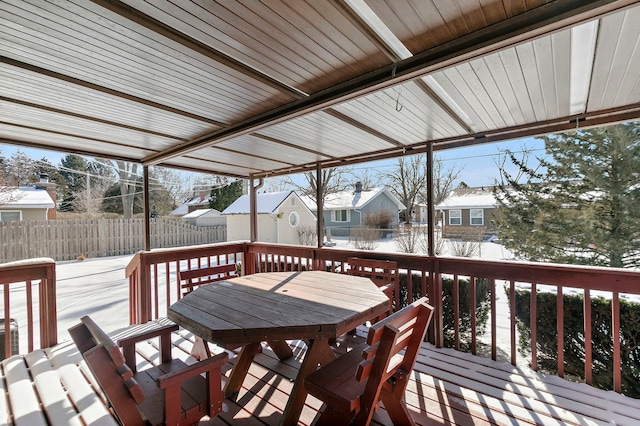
(447,387)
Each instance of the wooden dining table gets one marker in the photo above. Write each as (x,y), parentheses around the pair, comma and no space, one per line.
(273,307)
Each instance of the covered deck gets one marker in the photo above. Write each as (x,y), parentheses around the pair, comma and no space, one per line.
(258,89)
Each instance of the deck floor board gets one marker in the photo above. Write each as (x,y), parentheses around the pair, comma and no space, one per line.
(446,387)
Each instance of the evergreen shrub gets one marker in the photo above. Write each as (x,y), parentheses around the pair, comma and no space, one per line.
(574,339)
(483,299)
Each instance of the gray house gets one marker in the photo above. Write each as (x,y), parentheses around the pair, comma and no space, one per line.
(348,209)
(467,207)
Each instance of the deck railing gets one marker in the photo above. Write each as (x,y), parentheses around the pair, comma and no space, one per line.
(153,285)
(427,275)
(25,275)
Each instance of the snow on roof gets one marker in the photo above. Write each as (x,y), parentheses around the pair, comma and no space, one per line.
(352,199)
(267,203)
(481,197)
(27,198)
(183,209)
(201,212)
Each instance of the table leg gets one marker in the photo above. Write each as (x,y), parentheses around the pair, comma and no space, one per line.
(281,348)
(240,369)
(200,350)
(316,352)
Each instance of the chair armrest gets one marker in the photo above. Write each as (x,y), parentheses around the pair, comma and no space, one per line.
(128,343)
(156,331)
(207,365)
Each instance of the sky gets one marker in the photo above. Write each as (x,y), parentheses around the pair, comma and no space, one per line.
(478,163)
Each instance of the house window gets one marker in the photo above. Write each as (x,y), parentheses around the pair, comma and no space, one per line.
(9,216)
(476,216)
(340,216)
(455,217)
(294,219)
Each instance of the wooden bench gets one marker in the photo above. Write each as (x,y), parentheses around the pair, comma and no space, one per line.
(352,385)
(170,393)
(384,273)
(194,278)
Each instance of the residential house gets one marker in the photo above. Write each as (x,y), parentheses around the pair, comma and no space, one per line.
(465,208)
(25,203)
(205,217)
(197,202)
(348,209)
(282,218)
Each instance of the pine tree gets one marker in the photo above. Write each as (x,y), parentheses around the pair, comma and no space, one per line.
(222,197)
(585,208)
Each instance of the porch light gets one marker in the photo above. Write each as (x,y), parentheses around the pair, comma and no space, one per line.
(583,47)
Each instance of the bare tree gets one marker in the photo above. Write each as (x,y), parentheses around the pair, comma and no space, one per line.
(407,180)
(333,180)
(443,181)
(127,178)
(178,185)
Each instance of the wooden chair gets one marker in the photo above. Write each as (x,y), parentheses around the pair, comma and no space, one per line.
(352,385)
(384,273)
(171,393)
(194,278)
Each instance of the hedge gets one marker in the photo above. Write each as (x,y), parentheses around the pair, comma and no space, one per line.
(574,347)
(483,294)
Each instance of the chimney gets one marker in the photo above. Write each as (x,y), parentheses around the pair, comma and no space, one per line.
(358,187)
(50,187)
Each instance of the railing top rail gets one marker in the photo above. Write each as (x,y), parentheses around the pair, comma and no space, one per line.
(164,255)
(576,276)
(28,269)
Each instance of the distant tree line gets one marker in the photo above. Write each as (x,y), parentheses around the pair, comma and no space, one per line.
(94,186)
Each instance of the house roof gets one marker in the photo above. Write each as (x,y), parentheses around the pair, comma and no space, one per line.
(27,198)
(352,199)
(269,88)
(469,198)
(201,213)
(196,200)
(266,203)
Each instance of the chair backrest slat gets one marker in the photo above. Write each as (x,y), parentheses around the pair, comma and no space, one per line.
(193,278)
(381,272)
(113,374)
(402,331)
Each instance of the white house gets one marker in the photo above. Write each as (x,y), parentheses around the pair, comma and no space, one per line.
(282,216)
(25,203)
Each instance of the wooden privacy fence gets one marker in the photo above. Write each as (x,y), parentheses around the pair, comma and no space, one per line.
(69,239)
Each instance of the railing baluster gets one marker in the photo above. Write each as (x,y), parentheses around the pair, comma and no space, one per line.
(512,320)
(588,354)
(30,331)
(560,324)
(156,290)
(456,311)
(615,328)
(532,326)
(7,322)
(472,282)
(494,328)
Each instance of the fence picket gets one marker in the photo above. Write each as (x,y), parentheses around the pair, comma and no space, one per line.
(68,239)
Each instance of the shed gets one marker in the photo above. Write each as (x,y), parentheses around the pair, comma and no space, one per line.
(282,218)
(205,217)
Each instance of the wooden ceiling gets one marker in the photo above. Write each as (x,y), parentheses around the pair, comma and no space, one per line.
(261,88)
